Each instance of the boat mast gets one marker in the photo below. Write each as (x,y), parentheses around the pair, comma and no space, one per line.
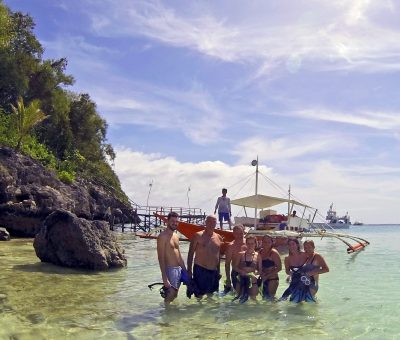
(255,162)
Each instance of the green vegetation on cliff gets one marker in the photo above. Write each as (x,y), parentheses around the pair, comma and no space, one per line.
(72,139)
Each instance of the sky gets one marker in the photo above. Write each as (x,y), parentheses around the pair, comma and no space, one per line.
(193,91)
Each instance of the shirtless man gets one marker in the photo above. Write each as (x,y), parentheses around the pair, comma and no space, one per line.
(232,253)
(170,258)
(205,246)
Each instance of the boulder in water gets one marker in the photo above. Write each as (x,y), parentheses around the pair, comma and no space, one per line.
(69,241)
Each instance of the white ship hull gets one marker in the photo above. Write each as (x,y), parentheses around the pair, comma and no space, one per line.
(331,225)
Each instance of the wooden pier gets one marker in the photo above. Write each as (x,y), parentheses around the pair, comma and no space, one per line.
(143,218)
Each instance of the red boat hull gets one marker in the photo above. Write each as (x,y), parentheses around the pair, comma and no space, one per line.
(190,229)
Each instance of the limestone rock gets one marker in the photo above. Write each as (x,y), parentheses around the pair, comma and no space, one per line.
(29,193)
(69,241)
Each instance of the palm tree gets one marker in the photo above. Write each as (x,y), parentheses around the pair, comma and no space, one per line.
(27,118)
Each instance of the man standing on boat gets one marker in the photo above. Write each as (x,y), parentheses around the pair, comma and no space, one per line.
(205,248)
(170,259)
(224,209)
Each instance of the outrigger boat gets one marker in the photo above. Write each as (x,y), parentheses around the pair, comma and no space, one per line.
(281,237)
(279,226)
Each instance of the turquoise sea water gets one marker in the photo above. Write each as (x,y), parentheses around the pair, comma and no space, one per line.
(358,299)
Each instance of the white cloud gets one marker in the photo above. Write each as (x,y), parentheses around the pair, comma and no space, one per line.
(288,148)
(375,120)
(81,54)
(109,101)
(192,111)
(341,33)
(372,197)
(171,179)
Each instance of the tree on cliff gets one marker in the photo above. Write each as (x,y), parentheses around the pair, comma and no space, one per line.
(26,118)
(5,27)
(73,127)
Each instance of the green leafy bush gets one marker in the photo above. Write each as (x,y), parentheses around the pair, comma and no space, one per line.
(7,133)
(73,162)
(66,177)
(40,152)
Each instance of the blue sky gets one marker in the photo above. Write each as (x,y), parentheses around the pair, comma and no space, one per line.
(194,90)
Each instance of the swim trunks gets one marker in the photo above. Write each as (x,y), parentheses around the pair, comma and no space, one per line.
(174,276)
(223,216)
(234,278)
(206,280)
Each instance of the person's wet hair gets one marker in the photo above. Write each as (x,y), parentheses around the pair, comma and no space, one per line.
(239,226)
(251,237)
(295,240)
(309,242)
(267,237)
(172,214)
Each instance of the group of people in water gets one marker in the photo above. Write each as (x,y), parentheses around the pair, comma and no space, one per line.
(249,269)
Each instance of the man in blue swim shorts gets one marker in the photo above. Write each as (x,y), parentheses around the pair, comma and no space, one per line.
(205,248)
(170,259)
(223,206)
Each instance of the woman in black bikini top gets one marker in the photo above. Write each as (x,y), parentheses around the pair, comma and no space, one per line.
(247,267)
(248,260)
(248,263)
(296,258)
(269,265)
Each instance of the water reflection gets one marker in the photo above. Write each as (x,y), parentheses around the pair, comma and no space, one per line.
(42,301)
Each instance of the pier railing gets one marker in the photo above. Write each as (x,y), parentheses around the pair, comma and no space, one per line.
(143,218)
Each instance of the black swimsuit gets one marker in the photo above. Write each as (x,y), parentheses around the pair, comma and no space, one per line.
(267,263)
(294,269)
(298,289)
(248,263)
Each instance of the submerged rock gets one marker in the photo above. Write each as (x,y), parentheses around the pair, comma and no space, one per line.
(4,234)
(69,241)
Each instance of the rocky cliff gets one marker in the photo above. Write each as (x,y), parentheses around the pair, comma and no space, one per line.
(29,193)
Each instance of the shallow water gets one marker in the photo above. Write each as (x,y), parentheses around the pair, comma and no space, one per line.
(358,298)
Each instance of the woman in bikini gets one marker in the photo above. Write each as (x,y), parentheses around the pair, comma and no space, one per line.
(314,266)
(246,265)
(269,265)
(296,258)
(297,290)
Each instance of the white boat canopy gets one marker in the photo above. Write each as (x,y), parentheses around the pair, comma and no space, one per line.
(262,201)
